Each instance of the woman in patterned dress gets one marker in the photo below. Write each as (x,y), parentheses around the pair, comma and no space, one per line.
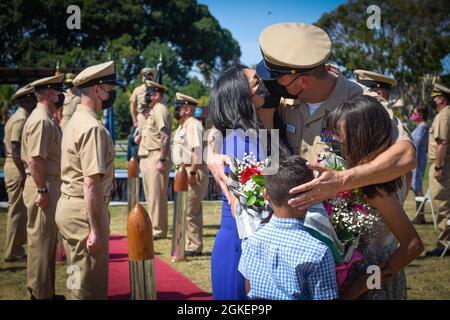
(420,139)
(364,128)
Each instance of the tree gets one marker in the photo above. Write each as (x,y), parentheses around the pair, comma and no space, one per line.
(133,33)
(195,88)
(34,33)
(411,45)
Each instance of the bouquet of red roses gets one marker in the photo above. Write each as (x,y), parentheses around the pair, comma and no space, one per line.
(248,185)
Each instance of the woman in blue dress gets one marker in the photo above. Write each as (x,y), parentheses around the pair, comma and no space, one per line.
(234,101)
(420,139)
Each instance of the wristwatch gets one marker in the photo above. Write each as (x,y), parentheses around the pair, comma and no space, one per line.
(42,190)
(436,168)
(162,160)
(193,173)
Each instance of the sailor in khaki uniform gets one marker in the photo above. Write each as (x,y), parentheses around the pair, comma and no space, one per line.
(16,223)
(187,149)
(295,54)
(378,82)
(41,153)
(87,173)
(154,154)
(137,103)
(439,160)
(71,100)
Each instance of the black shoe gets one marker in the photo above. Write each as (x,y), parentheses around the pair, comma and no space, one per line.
(58,297)
(418,221)
(437,252)
(16,259)
(192,254)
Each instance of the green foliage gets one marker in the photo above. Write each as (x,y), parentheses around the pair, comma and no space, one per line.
(195,88)
(34,33)
(133,33)
(6,93)
(413,41)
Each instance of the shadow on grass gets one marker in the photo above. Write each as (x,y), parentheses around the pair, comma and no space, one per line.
(212,226)
(13,269)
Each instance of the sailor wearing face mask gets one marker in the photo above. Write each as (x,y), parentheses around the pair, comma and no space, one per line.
(87,174)
(187,149)
(295,56)
(154,154)
(41,154)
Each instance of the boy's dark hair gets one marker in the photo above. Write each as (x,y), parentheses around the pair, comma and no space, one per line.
(292,172)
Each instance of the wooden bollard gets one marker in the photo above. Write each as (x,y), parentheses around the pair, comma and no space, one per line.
(133,183)
(140,246)
(180,187)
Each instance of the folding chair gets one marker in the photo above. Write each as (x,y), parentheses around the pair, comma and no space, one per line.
(422,200)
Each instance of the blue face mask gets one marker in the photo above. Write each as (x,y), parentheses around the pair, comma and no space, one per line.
(198,112)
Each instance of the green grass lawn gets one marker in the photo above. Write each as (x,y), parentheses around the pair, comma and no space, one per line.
(428,278)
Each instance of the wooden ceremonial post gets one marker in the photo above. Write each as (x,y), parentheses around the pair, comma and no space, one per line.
(179,215)
(133,183)
(140,243)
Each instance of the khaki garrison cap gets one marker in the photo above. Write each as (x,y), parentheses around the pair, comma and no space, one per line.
(292,48)
(53,82)
(440,90)
(24,92)
(155,86)
(103,73)
(374,80)
(183,99)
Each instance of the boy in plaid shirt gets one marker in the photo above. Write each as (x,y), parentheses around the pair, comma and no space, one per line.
(282,261)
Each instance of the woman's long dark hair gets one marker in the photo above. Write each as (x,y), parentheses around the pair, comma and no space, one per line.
(230,103)
(367,133)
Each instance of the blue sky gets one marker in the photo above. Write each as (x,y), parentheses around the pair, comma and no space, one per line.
(247,18)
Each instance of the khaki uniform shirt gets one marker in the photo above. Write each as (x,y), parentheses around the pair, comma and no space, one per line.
(13,130)
(158,119)
(303,131)
(188,138)
(87,150)
(137,97)
(440,129)
(41,137)
(70,104)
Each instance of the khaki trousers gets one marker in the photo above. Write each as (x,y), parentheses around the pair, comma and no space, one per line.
(194,214)
(42,236)
(440,193)
(155,189)
(88,274)
(16,222)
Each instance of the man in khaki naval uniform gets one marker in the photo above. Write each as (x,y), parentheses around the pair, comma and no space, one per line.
(41,153)
(439,159)
(71,100)
(295,54)
(87,173)
(378,82)
(137,104)
(187,149)
(382,85)
(16,223)
(154,154)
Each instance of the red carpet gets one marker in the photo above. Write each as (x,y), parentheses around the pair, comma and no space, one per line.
(170,285)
